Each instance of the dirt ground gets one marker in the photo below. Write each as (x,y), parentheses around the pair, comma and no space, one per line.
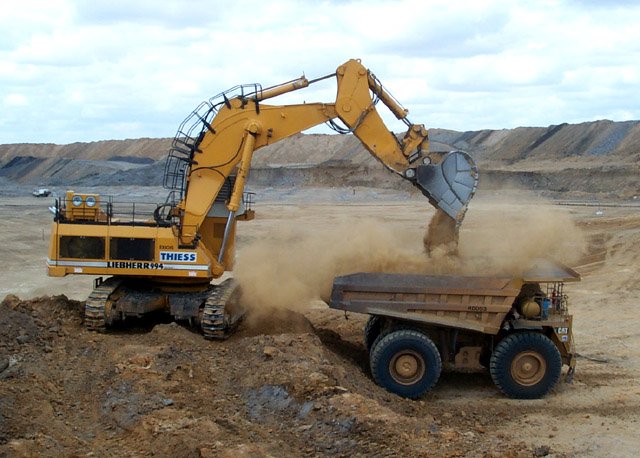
(297,383)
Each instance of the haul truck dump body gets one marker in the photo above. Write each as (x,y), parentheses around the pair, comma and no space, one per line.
(518,327)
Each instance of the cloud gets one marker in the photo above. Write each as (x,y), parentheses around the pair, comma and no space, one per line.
(15,100)
(167,14)
(84,71)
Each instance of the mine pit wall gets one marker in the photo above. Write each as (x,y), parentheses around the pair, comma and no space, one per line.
(319,176)
(613,181)
(622,182)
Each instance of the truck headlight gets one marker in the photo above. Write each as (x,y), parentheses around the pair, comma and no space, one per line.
(76,201)
(90,201)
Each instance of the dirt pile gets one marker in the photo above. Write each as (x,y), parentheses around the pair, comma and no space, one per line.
(618,141)
(153,148)
(65,172)
(589,140)
(161,389)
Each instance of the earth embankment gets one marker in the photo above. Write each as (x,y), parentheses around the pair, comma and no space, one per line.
(594,157)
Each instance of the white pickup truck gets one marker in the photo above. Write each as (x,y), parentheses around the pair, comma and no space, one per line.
(41,192)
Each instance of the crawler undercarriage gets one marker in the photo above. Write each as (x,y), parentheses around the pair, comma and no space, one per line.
(214,309)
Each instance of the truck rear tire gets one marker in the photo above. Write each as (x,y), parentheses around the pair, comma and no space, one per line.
(372,330)
(405,362)
(525,365)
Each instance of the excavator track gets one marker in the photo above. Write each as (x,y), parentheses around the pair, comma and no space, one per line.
(96,310)
(221,313)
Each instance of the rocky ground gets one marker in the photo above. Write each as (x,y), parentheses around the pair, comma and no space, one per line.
(298,383)
(161,390)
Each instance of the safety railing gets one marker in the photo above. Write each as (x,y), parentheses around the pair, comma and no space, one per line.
(109,212)
(191,131)
(113,212)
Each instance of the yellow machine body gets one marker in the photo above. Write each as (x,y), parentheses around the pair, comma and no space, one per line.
(90,242)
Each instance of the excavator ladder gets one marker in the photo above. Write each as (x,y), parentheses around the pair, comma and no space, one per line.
(185,144)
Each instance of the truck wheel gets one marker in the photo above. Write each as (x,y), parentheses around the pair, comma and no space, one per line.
(372,330)
(405,362)
(525,365)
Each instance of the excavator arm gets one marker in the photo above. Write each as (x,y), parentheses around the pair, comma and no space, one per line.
(228,129)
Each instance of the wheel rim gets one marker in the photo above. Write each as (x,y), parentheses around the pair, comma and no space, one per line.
(528,368)
(407,367)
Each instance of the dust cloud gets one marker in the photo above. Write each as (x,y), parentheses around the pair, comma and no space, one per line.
(501,236)
(296,263)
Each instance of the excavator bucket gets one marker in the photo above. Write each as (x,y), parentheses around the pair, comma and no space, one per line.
(449,184)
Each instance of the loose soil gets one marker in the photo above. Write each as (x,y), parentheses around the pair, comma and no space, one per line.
(296,382)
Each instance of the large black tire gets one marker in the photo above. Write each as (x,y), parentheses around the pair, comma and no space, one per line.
(525,365)
(405,362)
(372,330)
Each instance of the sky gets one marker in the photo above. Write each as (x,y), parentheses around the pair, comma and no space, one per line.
(88,70)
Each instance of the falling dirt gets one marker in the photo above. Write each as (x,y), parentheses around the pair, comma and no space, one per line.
(441,237)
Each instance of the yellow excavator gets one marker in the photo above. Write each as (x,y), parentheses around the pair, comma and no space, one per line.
(166,259)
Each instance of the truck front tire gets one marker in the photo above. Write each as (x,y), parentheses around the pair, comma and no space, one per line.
(372,330)
(525,365)
(405,362)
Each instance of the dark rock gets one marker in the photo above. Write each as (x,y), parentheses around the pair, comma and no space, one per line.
(267,400)
(542,450)
(11,301)
(23,339)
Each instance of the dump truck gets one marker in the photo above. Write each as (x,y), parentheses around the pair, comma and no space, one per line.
(517,327)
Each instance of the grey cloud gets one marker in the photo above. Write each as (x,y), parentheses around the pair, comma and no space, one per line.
(115,69)
(450,37)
